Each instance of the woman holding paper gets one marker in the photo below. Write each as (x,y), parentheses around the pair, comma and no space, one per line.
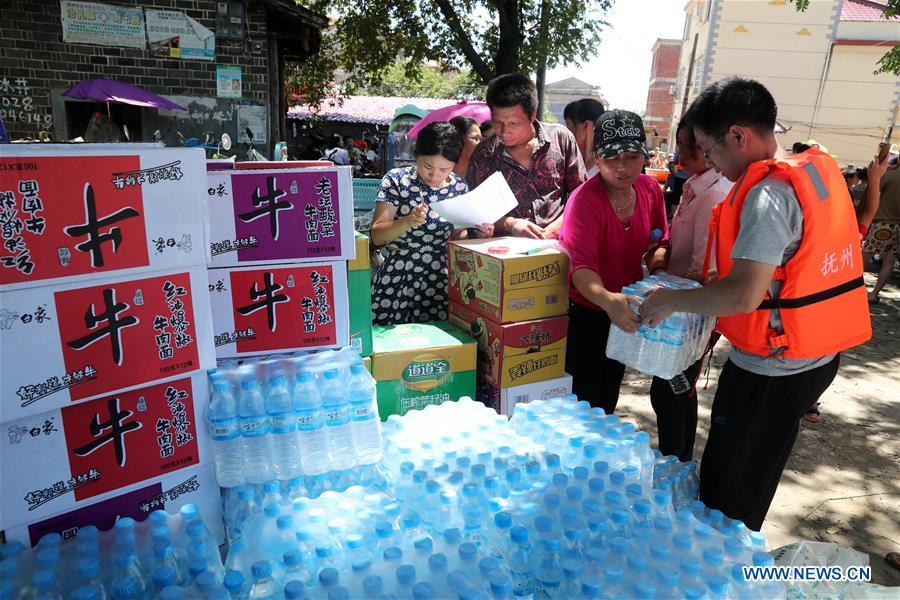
(411,285)
(610,225)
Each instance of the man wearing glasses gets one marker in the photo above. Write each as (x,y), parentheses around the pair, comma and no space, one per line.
(790,294)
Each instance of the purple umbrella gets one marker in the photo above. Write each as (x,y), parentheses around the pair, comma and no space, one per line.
(110,90)
(477,110)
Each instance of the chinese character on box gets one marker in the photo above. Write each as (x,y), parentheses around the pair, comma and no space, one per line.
(69,214)
(97,338)
(291,215)
(261,310)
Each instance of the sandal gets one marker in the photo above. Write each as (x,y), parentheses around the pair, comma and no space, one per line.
(893,559)
(812,415)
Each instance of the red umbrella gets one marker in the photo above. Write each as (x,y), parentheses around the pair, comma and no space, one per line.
(477,110)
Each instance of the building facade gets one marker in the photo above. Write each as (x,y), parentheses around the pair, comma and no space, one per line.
(818,64)
(661,93)
(560,93)
(223,61)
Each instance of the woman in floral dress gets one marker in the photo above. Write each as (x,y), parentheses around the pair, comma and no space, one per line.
(411,285)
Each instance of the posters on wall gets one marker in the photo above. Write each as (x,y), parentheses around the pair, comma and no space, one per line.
(228,82)
(102,24)
(253,118)
(172,33)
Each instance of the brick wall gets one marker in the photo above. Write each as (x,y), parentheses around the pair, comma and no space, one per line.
(35,63)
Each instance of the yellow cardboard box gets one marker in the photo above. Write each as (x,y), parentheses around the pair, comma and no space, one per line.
(509,279)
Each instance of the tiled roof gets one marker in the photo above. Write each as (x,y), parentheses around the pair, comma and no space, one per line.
(863,10)
(366,109)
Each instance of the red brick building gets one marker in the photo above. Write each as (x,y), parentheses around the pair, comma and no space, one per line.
(661,94)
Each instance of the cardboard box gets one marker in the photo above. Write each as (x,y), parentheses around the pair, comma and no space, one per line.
(280,215)
(196,485)
(55,461)
(418,364)
(66,343)
(72,213)
(265,310)
(509,279)
(367,363)
(504,400)
(515,353)
(359,287)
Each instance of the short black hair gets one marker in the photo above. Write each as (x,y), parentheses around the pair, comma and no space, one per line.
(512,89)
(439,137)
(464,124)
(586,109)
(734,101)
(800,147)
(685,124)
(486,126)
(336,140)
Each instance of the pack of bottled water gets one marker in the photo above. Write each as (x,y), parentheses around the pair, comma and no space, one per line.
(669,348)
(165,556)
(309,421)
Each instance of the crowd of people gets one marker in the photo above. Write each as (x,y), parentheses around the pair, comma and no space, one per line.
(759,256)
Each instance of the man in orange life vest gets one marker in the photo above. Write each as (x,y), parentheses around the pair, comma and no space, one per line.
(789,298)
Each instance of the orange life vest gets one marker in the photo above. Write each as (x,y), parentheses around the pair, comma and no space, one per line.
(822,302)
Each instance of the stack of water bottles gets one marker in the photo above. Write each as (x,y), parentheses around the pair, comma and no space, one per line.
(309,421)
(573,514)
(669,348)
(166,556)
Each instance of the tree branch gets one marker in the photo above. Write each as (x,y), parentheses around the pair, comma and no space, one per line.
(480,67)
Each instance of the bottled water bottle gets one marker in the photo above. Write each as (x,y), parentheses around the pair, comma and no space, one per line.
(225,431)
(280,406)
(255,429)
(313,439)
(264,586)
(337,421)
(520,558)
(365,425)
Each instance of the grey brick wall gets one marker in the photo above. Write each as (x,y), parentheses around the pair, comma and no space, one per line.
(34,61)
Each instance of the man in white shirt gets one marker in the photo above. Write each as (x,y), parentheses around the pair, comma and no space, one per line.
(336,153)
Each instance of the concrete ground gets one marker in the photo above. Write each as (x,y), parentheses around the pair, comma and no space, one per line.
(842,482)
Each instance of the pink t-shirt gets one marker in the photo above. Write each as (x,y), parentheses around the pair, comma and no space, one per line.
(596,239)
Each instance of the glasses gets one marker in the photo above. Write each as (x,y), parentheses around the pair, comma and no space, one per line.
(718,141)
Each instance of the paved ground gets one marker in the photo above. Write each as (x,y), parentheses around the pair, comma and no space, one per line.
(842,483)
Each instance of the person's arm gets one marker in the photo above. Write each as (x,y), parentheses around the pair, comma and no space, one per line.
(873,192)
(386,228)
(575,174)
(658,258)
(700,231)
(740,292)
(617,306)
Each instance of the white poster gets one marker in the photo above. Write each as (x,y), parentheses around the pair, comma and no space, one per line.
(253,118)
(102,24)
(177,35)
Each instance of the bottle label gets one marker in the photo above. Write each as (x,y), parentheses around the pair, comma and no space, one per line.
(283,423)
(363,412)
(335,417)
(309,419)
(254,426)
(224,429)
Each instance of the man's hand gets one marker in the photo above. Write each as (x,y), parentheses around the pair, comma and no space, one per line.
(878,167)
(619,310)
(418,216)
(527,229)
(484,231)
(656,307)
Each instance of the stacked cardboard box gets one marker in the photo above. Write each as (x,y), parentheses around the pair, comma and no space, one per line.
(511,295)
(105,334)
(359,284)
(418,364)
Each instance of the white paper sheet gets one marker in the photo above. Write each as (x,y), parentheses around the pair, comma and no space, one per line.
(485,204)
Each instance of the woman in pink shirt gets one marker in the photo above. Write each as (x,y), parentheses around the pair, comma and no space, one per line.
(606,231)
(676,413)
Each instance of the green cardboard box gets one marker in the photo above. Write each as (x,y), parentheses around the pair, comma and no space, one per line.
(418,364)
(359,285)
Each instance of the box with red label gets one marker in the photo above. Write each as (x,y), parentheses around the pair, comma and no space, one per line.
(515,353)
(504,401)
(74,212)
(83,340)
(509,279)
(280,215)
(54,461)
(195,485)
(278,308)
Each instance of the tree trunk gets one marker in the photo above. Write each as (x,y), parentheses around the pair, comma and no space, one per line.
(542,61)
(511,38)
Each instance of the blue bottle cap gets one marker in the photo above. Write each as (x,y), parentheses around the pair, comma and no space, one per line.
(636,562)
(503,520)
(713,556)
(382,530)
(198,565)
(292,558)
(437,562)
(338,593)
(552,461)
(619,546)
(373,585)
(410,520)
(501,585)
(644,591)
(667,578)
(591,587)
(580,473)
(617,477)
(324,551)
(467,551)
(560,479)
(261,569)
(406,574)
(717,584)
(518,534)
(206,581)
(487,565)
(762,559)
(452,535)
(690,567)
(572,568)
(393,553)
(543,523)
(88,568)
(89,592)
(552,544)
(295,590)
(233,582)
(601,467)
(551,500)
(328,577)
(574,493)
(424,591)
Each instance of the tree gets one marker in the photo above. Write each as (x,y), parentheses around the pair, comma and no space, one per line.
(890,62)
(428,82)
(485,37)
